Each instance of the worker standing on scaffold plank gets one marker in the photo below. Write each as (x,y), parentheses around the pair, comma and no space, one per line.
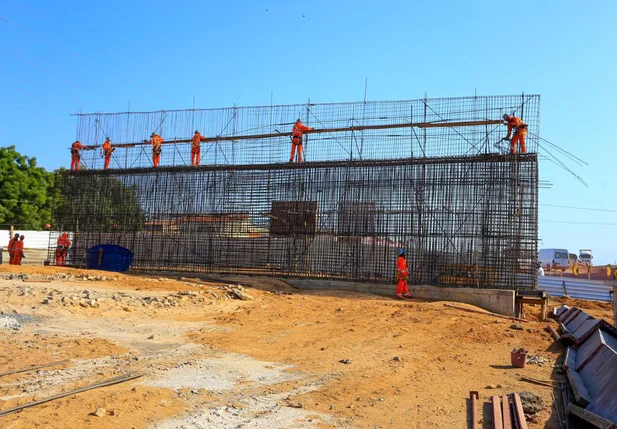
(107,151)
(76,155)
(520,131)
(296,139)
(196,148)
(156,141)
(402,274)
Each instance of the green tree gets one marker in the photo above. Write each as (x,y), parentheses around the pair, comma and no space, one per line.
(95,203)
(25,190)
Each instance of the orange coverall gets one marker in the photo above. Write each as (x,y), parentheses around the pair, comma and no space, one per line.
(11,249)
(520,131)
(18,251)
(296,139)
(76,155)
(63,245)
(107,151)
(402,274)
(156,143)
(196,149)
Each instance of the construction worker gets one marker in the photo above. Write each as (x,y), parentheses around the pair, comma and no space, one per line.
(107,151)
(520,131)
(62,248)
(76,155)
(402,274)
(196,148)
(11,247)
(575,268)
(18,251)
(609,269)
(296,139)
(156,141)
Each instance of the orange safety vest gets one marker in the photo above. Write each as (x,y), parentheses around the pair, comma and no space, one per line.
(156,144)
(107,149)
(75,148)
(401,266)
(197,140)
(297,132)
(516,123)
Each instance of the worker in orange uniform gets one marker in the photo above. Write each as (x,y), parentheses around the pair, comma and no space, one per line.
(156,141)
(196,148)
(520,131)
(296,139)
(63,244)
(76,155)
(107,151)
(18,251)
(11,247)
(402,274)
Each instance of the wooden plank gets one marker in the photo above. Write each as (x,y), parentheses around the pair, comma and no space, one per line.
(520,415)
(497,418)
(505,412)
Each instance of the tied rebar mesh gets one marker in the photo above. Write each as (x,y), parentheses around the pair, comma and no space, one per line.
(465,211)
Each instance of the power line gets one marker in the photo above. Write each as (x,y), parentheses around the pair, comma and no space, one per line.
(578,199)
(580,208)
(578,223)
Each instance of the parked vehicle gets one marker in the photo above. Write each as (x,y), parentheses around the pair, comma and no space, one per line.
(585,255)
(573,258)
(554,258)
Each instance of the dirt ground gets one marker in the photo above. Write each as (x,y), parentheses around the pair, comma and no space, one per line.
(283,359)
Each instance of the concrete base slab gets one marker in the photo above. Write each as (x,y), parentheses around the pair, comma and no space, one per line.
(495,300)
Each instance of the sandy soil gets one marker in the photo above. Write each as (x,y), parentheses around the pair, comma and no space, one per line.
(284,359)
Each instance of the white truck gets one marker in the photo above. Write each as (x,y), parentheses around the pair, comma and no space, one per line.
(585,255)
(554,259)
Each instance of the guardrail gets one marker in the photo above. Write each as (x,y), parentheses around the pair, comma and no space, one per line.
(582,289)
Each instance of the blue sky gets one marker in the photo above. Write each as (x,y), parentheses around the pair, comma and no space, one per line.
(58,57)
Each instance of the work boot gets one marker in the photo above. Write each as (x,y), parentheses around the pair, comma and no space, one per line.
(407,296)
(399,297)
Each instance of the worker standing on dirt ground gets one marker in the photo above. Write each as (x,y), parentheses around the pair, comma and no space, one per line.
(588,264)
(62,248)
(107,151)
(609,270)
(76,149)
(296,139)
(402,274)
(520,132)
(196,148)
(11,248)
(18,251)
(156,141)
(575,268)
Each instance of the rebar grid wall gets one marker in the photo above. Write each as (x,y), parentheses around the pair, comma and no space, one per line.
(465,212)
(272,125)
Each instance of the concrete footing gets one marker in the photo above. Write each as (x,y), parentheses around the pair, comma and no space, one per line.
(495,300)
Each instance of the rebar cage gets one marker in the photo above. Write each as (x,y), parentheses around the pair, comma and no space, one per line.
(379,178)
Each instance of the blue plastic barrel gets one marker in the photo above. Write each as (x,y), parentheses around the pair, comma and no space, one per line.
(108,257)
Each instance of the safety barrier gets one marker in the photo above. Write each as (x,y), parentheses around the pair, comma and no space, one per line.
(574,288)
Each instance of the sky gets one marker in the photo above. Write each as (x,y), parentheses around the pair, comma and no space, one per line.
(59,57)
